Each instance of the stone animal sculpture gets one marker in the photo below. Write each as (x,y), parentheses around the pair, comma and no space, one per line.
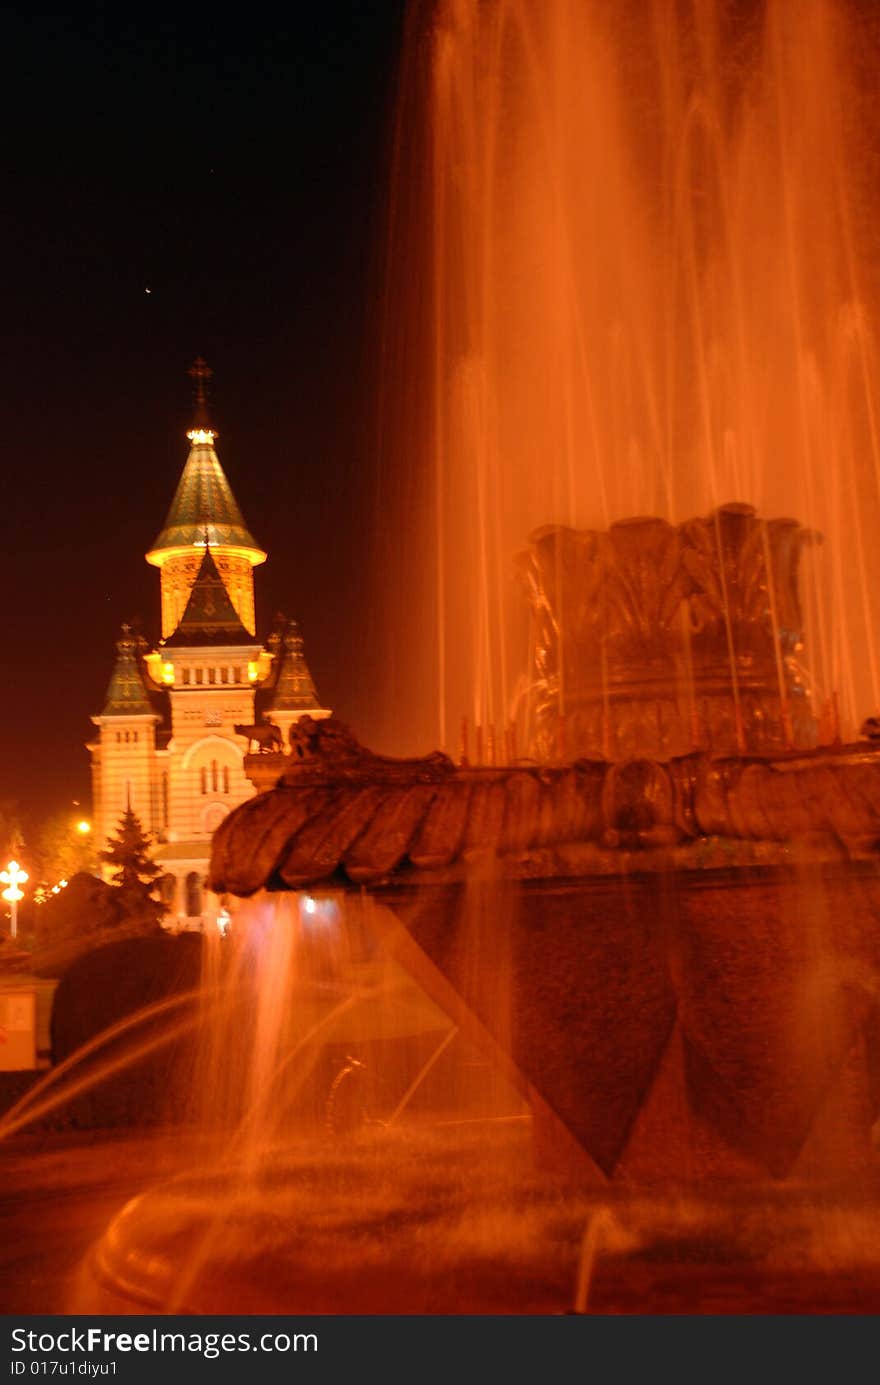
(326,749)
(870,729)
(264,735)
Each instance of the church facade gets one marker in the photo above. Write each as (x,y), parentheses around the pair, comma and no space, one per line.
(165,741)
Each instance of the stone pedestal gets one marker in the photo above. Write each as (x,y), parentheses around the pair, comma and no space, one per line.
(703,1025)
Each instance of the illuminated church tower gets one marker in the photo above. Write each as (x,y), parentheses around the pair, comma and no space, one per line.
(166,742)
(204,511)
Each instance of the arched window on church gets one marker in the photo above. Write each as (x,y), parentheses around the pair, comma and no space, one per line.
(226,779)
(203,774)
(167,890)
(214,776)
(193,895)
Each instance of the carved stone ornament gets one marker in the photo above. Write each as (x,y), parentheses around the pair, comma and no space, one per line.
(658,639)
(324,751)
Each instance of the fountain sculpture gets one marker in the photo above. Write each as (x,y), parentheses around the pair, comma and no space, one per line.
(657,639)
(694,941)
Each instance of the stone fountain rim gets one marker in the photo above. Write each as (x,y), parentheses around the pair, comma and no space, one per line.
(346,814)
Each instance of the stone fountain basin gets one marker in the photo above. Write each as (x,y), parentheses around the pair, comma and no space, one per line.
(678,962)
(710,1024)
(454,1219)
(406,1220)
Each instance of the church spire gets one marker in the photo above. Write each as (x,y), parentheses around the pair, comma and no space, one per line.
(200,373)
(126,693)
(294,689)
(204,510)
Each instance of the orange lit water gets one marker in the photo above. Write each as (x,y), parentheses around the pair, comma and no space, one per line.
(442,1210)
(631,271)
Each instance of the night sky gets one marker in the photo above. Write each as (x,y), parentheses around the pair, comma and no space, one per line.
(196,183)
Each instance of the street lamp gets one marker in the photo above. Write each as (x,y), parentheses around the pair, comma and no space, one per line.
(12,877)
(83,828)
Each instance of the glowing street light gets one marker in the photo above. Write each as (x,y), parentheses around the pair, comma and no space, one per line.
(12,877)
(83,828)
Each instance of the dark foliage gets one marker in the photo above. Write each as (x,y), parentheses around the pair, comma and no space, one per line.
(135,875)
(110,985)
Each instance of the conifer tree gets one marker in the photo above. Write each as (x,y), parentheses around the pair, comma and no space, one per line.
(135,874)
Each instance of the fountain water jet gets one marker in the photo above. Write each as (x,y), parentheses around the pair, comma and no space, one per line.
(649,294)
(649,290)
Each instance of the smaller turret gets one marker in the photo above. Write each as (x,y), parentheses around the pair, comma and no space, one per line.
(124,756)
(126,692)
(292,692)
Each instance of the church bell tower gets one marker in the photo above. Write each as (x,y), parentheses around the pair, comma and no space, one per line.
(204,513)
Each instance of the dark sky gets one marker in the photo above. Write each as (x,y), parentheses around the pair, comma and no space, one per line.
(234,163)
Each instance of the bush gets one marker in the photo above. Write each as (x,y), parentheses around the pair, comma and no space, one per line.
(83,917)
(112,984)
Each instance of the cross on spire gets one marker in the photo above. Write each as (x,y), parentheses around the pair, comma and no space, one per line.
(200,373)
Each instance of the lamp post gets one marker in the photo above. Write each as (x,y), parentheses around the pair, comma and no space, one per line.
(12,877)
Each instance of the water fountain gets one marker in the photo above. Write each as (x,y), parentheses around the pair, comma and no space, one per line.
(649,295)
(691,954)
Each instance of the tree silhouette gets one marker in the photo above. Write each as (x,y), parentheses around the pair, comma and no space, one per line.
(135,874)
(58,851)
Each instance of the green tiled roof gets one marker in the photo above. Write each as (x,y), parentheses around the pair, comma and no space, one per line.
(294,690)
(127,693)
(209,617)
(204,507)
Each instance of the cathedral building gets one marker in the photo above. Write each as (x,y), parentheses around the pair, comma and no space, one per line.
(166,743)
